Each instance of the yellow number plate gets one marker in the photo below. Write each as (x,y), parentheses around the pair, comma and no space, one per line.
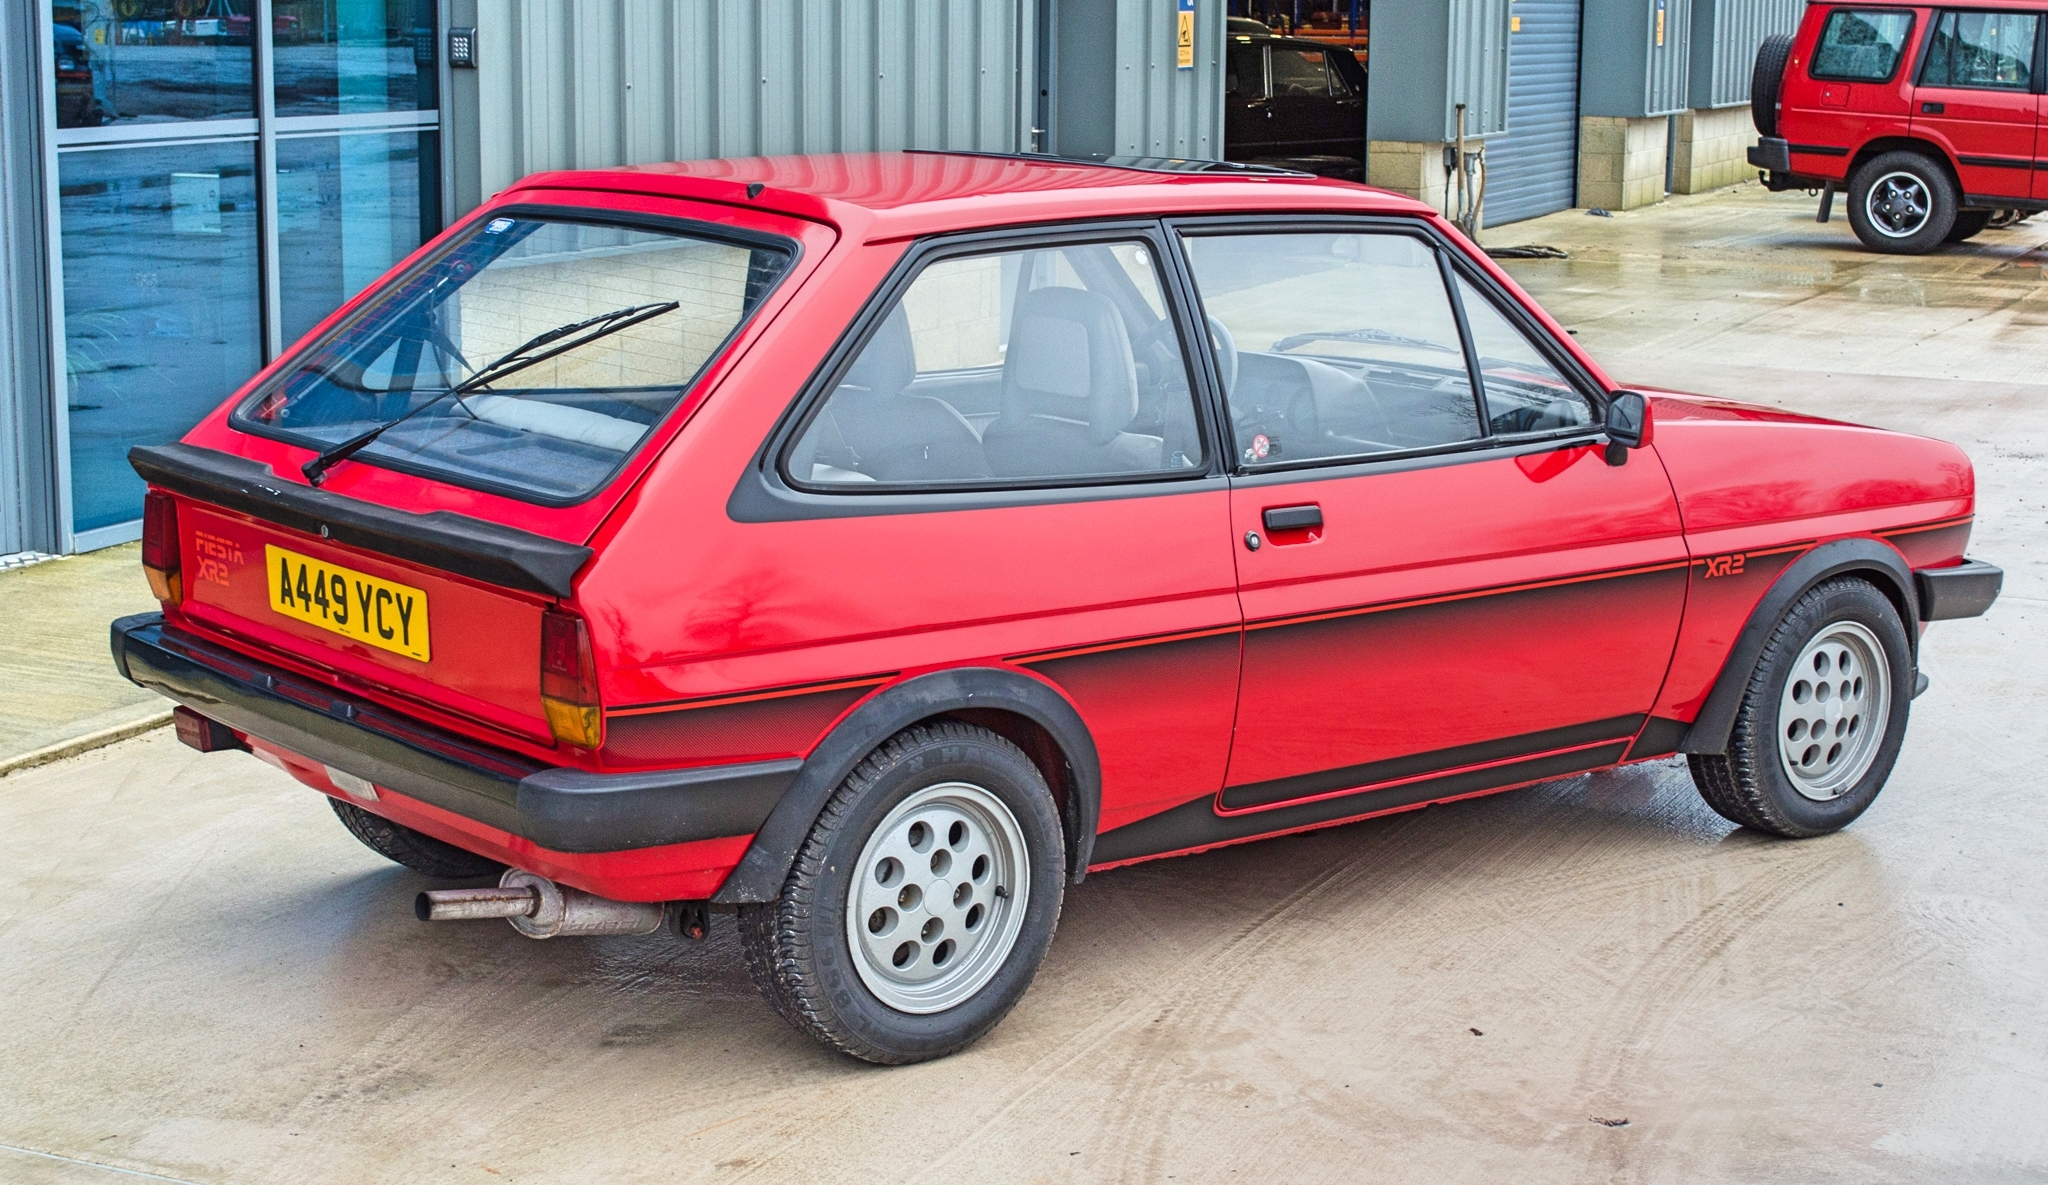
(386,614)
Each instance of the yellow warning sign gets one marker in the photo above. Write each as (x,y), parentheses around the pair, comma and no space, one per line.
(1184,35)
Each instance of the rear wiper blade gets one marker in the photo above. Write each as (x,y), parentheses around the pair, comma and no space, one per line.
(517,359)
(1378,337)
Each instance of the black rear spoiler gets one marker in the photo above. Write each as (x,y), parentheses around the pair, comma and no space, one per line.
(494,554)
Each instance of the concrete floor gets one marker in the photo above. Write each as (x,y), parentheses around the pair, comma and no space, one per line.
(208,980)
(55,662)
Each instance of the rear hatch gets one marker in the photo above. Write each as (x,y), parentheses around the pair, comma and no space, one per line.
(479,412)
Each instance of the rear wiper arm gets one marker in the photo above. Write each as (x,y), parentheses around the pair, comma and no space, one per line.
(517,359)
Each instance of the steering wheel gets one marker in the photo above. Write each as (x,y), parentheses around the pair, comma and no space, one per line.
(1226,354)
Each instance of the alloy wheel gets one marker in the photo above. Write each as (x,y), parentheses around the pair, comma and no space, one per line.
(1833,711)
(938,897)
(1899,205)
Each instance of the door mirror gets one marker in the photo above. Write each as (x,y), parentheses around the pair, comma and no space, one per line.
(1628,424)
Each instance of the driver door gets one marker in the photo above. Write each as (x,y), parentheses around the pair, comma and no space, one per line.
(1445,590)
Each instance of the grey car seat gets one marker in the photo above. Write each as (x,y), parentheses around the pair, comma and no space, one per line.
(891,434)
(1070,389)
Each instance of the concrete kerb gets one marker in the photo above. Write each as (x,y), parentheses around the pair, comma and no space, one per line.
(85,743)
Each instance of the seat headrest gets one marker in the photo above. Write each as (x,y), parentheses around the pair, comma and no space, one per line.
(888,363)
(1070,357)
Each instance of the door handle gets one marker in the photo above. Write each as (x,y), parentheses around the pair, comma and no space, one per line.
(1293,518)
(1933,108)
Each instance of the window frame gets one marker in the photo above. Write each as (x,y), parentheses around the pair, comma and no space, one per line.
(1913,36)
(2039,63)
(1452,263)
(768,492)
(280,371)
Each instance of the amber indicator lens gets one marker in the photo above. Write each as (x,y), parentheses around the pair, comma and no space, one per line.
(160,546)
(568,680)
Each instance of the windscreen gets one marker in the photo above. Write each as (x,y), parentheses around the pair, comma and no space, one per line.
(531,358)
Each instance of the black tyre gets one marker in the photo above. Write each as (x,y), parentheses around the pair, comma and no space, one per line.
(1902,203)
(921,903)
(1821,718)
(402,845)
(1969,224)
(1766,80)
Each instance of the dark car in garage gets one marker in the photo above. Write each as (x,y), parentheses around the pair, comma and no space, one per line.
(1296,103)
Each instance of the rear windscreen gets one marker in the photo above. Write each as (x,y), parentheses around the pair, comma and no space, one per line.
(532,357)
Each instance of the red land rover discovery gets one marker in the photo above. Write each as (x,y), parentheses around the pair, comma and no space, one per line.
(1929,117)
(872,546)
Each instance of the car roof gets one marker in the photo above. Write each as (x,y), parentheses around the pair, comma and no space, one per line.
(889,194)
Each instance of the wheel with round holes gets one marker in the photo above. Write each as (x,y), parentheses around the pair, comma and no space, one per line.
(1821,719)
(922,901)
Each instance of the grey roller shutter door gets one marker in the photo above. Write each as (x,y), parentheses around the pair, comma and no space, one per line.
(1533,168)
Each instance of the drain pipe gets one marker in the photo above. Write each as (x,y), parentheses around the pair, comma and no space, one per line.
(539,908)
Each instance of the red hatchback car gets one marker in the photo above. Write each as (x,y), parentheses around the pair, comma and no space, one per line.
(875,545)
(1929,117)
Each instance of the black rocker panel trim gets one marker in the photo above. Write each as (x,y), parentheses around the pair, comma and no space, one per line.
(1436,760)
(450,542)
(1660,737)
(1196,824)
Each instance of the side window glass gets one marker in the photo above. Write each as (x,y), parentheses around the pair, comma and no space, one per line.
(1333,345)
(1300,72)
(1983,51)
(1861,45)
(1020,366)
(1524,392)
(1339,85)
(1246,77)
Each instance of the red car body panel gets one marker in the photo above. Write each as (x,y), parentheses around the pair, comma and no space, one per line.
(1461,626)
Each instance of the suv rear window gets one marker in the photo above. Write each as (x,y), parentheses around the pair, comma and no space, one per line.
(1861,45)
(644,307)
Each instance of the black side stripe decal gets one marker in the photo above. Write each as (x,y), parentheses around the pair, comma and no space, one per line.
(1998,162)
(1435,761)
(1817,149)
(1196,824)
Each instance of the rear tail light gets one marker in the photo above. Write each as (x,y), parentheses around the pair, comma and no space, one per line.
(568,680)
(160,546)
(203,734)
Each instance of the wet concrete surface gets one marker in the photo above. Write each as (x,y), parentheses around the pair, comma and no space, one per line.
(206,979)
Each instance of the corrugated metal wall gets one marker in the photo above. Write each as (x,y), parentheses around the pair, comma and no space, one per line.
(1625,71)
(1725,34)
(607,82)
(1476,73)
(1162,110)
(1533,168)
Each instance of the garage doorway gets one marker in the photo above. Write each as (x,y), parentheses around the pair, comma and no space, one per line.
(1532,168)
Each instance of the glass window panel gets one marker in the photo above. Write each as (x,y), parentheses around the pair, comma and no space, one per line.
(349,207)
(161,313)
(1861,46)
(1246,73)
(1300,72)
(348,57)
(1022,366)
(1983,51)
(1345,344)
(1524,392)
(152,61)
(653,308)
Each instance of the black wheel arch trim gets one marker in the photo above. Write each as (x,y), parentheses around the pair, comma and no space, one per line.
(959,692)
(1716,721)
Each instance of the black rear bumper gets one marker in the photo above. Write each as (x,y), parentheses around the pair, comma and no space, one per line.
(564,810)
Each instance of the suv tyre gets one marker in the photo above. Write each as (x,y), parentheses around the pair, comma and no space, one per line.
(416,850)
(1902,203)
(1821,718)
(1969,224)
(922,901)
(1767,80)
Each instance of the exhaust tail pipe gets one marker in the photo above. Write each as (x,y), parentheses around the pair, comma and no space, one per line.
(539,908)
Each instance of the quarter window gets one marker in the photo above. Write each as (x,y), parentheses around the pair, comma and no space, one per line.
(1983,51)
(1861,45)
(1524,392)
(1043,365)
(1334,345)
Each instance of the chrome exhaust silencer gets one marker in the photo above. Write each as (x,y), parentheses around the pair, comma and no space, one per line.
(539,908)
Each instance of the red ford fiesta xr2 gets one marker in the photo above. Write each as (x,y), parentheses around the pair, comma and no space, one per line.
(873,545)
